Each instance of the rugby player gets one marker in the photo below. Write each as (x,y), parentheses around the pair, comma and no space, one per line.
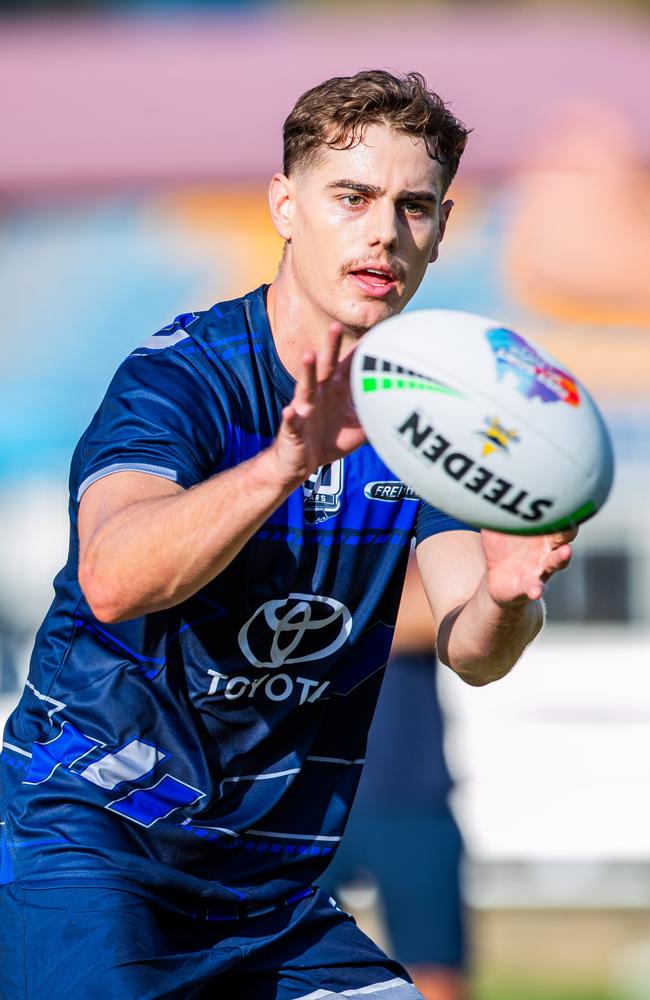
(179,769)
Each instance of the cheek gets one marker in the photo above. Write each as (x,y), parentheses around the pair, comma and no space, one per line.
(424,235)
(422,240)
(323,241)
(335,226)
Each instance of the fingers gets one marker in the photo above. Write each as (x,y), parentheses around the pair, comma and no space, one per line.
(346,363)
(555,564)
(558,553)
(535,591)
(307,383)
(562,537)
(292,419)
(523,565)
(319,367)
(328,356)
(555,560)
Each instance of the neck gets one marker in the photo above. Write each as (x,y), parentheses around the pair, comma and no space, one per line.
(297,323)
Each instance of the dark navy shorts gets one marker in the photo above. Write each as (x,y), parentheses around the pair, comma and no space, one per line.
(96,942)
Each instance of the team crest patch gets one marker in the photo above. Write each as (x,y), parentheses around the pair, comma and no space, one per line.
(322,492)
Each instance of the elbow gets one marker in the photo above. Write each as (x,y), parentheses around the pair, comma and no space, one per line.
(100,598)
(480,680)
(482,673)
(112,601)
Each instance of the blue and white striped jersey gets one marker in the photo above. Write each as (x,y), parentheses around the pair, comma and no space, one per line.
(211,750)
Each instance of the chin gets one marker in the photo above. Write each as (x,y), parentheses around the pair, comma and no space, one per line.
(359,317)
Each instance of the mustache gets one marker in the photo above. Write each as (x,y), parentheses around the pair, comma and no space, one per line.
(394,265)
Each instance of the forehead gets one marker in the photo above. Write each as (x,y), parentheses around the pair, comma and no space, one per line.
(385,158)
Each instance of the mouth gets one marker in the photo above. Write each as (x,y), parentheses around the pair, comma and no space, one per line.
(374,281)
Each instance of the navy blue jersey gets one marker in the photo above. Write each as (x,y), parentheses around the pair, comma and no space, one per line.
(213,748)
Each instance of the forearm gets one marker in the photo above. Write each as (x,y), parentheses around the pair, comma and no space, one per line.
(144,548)
(159,551)
(481,640)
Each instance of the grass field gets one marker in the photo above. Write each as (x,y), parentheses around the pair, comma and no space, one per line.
(511,989)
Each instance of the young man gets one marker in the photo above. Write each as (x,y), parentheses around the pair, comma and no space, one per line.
(181,764)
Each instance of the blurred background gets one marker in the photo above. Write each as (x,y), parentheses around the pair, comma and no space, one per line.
(137,142)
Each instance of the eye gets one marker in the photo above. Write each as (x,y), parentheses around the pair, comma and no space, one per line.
(353,200)
(414,208)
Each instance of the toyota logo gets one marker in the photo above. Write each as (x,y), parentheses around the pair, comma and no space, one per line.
(294,629)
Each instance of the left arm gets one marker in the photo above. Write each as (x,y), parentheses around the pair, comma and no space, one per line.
(485,594)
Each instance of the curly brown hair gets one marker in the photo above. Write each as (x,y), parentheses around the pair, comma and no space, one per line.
(337,112)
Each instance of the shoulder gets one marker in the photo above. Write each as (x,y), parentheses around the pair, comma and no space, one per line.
(214,342)
(170,336)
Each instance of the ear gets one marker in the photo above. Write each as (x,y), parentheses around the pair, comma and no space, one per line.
(281,202)
(445,212)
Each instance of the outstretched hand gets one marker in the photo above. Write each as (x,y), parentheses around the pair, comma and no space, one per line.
(320,424)
(518,567)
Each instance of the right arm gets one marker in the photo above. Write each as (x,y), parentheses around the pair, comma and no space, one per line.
(146,544)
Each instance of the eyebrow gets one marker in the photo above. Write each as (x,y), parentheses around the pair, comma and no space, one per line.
(372,189)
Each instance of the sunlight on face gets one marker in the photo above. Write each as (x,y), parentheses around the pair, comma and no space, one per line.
(366,222)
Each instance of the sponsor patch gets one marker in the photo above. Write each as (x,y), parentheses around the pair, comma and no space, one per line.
(536,378)
(390,491)
(294,629)
(274,687)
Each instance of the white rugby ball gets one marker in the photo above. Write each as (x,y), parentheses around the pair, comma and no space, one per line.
(481,422)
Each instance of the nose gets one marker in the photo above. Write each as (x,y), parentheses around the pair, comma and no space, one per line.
(383,226)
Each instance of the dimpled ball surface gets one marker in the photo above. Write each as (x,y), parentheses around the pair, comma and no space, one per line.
(481,422)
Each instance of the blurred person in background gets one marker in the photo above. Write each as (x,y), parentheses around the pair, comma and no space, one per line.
(402,839)
(179,769)
(558,263)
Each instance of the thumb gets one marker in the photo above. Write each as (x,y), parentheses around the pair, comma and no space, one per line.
(292,419)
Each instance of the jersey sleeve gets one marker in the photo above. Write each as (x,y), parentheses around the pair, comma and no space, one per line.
(159,416)
(431,521)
